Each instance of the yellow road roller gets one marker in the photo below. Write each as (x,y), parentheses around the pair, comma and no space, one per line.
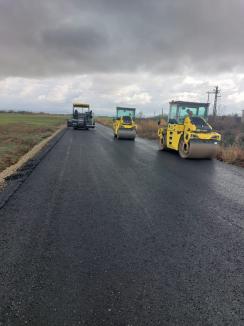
(124,126)
(188,131)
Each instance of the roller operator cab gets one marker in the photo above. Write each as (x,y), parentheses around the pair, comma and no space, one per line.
(82,117)
(124,126)
(188,131)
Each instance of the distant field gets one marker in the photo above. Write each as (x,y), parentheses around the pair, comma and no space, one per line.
(20,132)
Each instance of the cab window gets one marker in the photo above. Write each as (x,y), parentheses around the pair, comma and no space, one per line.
(202,111)
(183,112)
(173,114)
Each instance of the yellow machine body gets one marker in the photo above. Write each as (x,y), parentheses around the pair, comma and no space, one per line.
(124,126)
(188,131)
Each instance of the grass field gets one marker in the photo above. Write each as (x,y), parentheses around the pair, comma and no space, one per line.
(20,132)
(231,129)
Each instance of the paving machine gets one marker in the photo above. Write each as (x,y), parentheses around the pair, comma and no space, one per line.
(124,126)
(82,117)
(188,131)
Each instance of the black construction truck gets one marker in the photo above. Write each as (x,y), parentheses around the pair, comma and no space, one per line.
(82,117)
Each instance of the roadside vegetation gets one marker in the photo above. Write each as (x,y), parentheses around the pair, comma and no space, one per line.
(232,131)
(19,132)
(230,127)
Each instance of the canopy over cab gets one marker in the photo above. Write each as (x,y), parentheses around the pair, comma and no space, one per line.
(80,105)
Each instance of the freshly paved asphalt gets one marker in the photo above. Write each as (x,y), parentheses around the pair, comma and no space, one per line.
(107,232)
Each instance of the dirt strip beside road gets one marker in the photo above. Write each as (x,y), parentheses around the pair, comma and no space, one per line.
(25,158)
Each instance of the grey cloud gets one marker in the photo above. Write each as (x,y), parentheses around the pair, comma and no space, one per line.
(58,37)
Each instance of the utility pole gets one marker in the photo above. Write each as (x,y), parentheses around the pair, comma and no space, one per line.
(216,95)
(216,92)
(162,112)
(208,96)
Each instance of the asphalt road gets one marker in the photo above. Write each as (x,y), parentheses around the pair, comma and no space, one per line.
(107,232)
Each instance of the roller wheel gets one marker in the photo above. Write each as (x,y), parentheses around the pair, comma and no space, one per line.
(184,149)
(162,143)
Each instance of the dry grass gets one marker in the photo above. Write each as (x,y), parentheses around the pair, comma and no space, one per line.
(232,155)
(147,128)
(21,132)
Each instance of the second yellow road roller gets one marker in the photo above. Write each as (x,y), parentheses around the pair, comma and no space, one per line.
(188,131)
(124,126)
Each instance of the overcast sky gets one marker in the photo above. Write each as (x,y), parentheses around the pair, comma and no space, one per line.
(120,52)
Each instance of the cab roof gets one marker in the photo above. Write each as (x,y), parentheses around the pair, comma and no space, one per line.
(191,104)
(81,105)
(118,108)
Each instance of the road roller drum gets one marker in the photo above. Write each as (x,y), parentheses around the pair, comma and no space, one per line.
(126,134)
(199,150)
